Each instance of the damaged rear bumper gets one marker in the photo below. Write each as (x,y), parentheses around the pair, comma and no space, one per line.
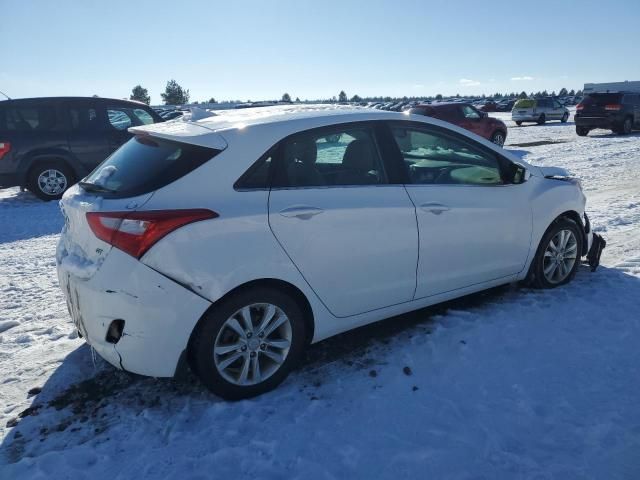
(157,314)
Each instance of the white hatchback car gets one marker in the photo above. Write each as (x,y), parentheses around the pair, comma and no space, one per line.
(230,243)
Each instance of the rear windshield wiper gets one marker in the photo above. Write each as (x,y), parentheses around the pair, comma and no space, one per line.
(93,187)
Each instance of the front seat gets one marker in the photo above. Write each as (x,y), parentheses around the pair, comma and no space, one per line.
(359,166)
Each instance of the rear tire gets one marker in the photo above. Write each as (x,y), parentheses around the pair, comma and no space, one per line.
(542,119)
(518,122)
(253,346)
(582,131)
(564,118)
(50,179)
(498,138)
(627,126)
(553,267)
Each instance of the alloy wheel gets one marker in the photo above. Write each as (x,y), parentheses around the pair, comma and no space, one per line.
(560,256)
(252,344)
(52,182)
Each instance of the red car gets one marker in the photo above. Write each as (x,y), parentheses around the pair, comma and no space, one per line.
(467,117)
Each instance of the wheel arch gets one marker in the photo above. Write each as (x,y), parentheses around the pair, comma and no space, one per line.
(38,158)
(274,283)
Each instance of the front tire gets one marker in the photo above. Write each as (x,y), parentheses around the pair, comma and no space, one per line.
(542,119)
(564,118)
(518,122)
(49,180)
(558,255)
(248,344)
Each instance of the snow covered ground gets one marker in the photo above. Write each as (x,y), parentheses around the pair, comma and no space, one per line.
(508,384)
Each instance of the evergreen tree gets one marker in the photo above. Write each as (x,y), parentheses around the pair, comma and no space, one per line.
(212,100)
(563,92)
(572,92)
(286,97)
(356,98)
(174,94)
(297,99)
(439,96)
(342,97)
(523,94)
(140,94)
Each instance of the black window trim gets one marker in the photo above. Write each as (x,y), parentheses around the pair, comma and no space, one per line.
(503,162)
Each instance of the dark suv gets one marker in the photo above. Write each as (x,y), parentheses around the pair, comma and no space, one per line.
(619,112)
(47,144)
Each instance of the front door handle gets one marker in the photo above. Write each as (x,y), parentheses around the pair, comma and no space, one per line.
(434,207)
(303,212)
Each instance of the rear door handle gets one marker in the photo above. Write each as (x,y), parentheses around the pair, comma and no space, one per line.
(303,212)
(434,207)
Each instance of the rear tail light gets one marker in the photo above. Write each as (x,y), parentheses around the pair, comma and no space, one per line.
(136,232)
(5,147)
(580,107)
(613,107)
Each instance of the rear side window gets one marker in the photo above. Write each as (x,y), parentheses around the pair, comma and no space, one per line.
(144,164)
(343,156)
(29,118)
(524,103)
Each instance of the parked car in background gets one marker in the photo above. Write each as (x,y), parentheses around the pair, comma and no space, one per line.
(619,112)
(466,116)
(227,234)
(505,105)
(489,106)
(539,110)
(172,114)
(50,143)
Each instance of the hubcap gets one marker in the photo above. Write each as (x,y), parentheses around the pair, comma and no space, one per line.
(252,344)
(498,139)
(52,182)
(560,256)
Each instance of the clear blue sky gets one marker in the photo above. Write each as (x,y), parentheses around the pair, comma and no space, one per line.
(313,49)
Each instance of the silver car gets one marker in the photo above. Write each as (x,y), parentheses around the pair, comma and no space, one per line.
(539,110)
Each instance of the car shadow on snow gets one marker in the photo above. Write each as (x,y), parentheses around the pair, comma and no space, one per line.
(24,216)
(600,133)
(90,408)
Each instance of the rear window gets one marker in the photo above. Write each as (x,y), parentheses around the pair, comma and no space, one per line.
(601,99)
(525,103)
(144,164)
(28,118)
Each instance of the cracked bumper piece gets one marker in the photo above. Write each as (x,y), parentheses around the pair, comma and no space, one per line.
(159,314)
(597,246)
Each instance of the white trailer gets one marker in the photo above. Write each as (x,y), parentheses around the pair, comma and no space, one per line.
(626,86)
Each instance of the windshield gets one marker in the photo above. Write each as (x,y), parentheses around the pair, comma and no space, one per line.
(144,164)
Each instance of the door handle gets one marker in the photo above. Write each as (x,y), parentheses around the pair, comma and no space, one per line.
(302,212)
(434,207)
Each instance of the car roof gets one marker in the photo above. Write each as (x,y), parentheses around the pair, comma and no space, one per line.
(282,121)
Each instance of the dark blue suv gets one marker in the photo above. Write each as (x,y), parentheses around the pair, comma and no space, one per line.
(48,144)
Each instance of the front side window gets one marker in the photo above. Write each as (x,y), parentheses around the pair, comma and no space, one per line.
(119,119)
(144,117)
(470,113)
(347,156)
(435,158)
